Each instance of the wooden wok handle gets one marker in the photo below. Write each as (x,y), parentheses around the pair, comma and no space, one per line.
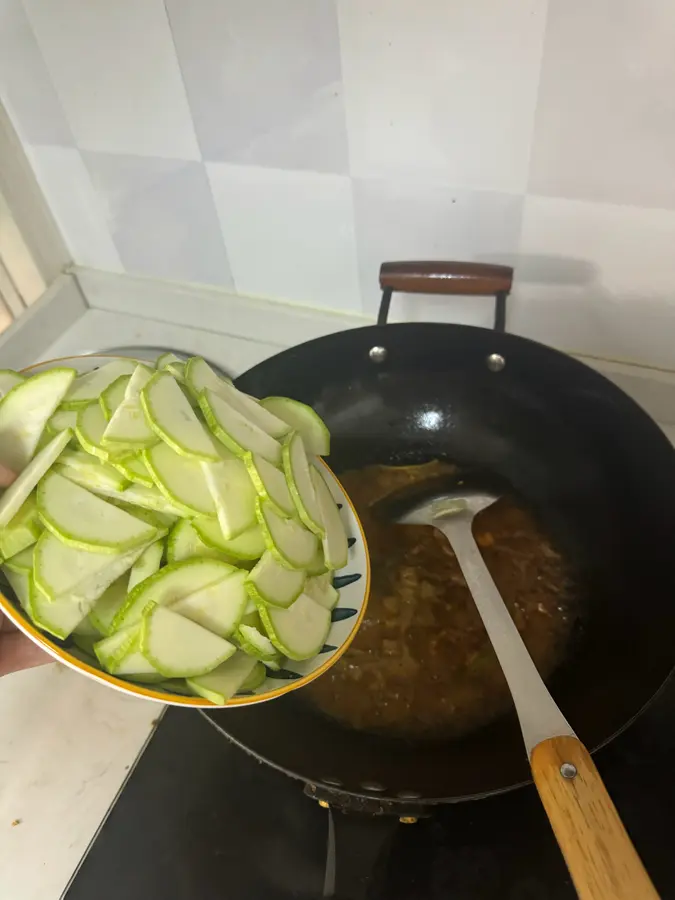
(602,860)
(456,278)
(449,278)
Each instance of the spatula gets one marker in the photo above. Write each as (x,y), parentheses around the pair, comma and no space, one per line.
(601,859)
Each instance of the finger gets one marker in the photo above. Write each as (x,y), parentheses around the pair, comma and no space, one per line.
(6,624)
(7,476)
(17,652)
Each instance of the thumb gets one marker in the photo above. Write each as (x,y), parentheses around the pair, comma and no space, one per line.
(7,476)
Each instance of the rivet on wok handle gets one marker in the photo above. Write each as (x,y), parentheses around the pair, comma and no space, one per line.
(449,278)
(495,362)
(378,354)
(568,770)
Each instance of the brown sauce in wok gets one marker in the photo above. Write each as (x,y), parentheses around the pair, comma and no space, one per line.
(421,664)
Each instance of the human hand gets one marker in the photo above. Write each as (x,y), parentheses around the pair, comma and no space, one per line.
(16,650)
(6,476)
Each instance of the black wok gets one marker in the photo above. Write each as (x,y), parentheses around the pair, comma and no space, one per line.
(597,471)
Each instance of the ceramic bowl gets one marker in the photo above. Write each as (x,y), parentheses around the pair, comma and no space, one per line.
(352,583)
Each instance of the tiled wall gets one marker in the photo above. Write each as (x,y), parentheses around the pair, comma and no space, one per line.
(286,147)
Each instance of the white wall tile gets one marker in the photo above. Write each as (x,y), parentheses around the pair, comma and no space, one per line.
(76,206)
(115,69)
(26,89)
(399,220)
(442,90)
(161,216)
(605,125)
(264,87)
(597,279)
(289,235)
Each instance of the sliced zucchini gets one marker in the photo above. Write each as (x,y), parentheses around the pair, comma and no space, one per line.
(134,469)
(21,562)
(180,479)
(9,379)
(62,419)
(235,430)
(179,647)
(275,664)
(248,545)
(113,396)
(116,646)
(146,565)
(251,409)
(18,492)
(233,495)
(165,359)
(169,585)
(89,387)
(136,495)
(161,520)
(334,542)
(82,519)
(61,615)
(60,569)
(270,582)
(298,632)
(255,643)
(302,418)
(218,607)
(297,472)
(25,411)
(128,429)
(90,472)
(200,376)
(177,369)
(317,565)
(20,584)
(91,424)
(223,683)
(109,604)
(120,654)
(320,588)
(256,678)
(82,647)
(270,484)
(290,543)
(184,543)
(176,686)
(251,616)
(86,628)
(136,667)
(173,419)
(22,531)
(128,425)
(138,380)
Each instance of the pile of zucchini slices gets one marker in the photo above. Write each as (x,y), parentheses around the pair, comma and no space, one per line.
(181,531)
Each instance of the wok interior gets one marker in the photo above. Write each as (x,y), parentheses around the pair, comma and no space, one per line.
(596,471)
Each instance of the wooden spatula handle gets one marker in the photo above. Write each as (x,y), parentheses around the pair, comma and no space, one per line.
(602,860)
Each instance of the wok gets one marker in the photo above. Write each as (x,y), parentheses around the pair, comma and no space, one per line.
(597,471)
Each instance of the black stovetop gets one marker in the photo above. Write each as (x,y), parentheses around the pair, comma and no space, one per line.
(201,820)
